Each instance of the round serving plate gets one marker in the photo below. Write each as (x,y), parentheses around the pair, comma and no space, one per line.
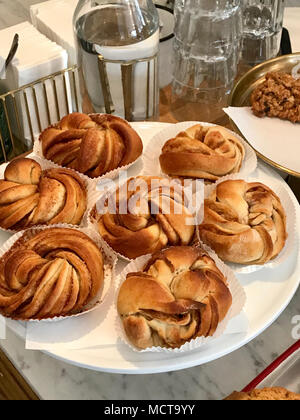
(268,294)
(241,94)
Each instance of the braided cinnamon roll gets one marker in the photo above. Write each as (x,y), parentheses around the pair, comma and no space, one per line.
(180,295)
(202,152)
(155,216)
(92,145)
(244,223)
(30,196)
(55,272)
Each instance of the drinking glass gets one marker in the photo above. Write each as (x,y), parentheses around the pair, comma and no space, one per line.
(207,49)
(262,22)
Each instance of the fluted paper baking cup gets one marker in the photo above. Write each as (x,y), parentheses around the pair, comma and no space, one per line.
(93,215)
(238,304)
(155,145)
(110,263)
(282,191)
(90,185)
(38,151)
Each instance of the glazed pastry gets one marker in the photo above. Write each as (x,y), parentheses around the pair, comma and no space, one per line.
(54,272)
(151,226)
(30,196)
(180,295)
(265,394)
(92,145)
(244,223)
(202,152)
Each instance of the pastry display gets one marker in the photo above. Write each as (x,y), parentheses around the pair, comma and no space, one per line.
(180,295)
(265,394)
(278,96)
(91,144)
(244,223)
(202,152)
(54,272)
(30,196)
(148,215)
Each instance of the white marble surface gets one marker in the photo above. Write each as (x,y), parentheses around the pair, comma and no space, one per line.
(55,380)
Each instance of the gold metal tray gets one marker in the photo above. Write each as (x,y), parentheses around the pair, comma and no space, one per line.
(241,93)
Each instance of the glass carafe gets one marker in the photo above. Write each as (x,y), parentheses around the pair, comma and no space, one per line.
(117,47)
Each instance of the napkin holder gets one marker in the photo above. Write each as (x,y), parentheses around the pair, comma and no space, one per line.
(36,106)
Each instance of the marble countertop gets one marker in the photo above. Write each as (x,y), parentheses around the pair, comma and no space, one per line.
(56,380)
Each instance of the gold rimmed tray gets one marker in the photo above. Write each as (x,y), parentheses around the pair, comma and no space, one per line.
(241,93)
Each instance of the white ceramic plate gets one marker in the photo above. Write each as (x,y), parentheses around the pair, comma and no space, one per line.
(268,294)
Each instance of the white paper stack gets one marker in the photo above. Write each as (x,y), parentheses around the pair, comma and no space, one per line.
(36,57)
(54,19)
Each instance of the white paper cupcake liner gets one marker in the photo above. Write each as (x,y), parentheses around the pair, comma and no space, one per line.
(238,303)
(282,191)
(93,223)
(90,185)
(154,148)
(38,151)
(110,263)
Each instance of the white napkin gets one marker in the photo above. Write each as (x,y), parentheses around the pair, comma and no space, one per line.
(96,329)
(276,139)
(238,325)
(54,19)
(2,328)
(292,23)
(36,57)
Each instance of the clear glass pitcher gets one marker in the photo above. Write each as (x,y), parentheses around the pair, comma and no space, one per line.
(117,47)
